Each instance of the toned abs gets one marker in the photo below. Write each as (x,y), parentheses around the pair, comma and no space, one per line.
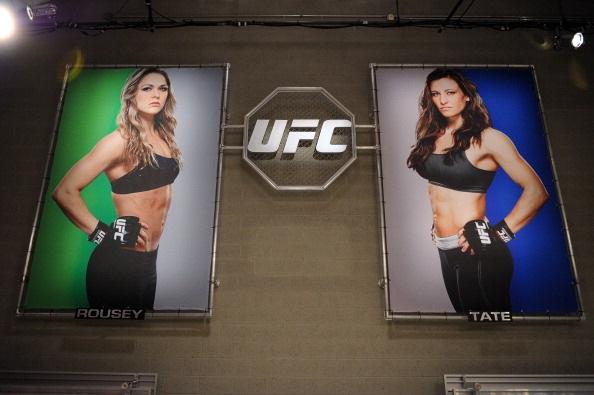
(150,206)
(452,209)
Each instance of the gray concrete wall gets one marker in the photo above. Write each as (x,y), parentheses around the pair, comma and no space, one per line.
(299,311)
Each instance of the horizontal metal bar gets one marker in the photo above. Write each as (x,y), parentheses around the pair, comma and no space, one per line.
(502,23)
(162,314)
(359,147)
(515,383)
(136,65)
(456,316)
(425,316)
(439,19)
(425,65)
(356,126)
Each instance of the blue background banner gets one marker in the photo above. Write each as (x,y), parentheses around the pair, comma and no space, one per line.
(543,281)
(542,278)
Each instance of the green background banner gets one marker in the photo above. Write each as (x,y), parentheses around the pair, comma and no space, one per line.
(61,250)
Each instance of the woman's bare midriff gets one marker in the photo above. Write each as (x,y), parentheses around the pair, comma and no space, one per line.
(453,209)
(150,206)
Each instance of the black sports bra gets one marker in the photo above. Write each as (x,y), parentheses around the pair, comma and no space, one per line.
(460,175)
(146,178)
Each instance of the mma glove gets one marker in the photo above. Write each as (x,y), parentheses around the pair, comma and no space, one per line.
(482,238)
(503,232)
(123,231)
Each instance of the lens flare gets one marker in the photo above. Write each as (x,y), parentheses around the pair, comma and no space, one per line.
(6,23)
(75,59)
(578,74)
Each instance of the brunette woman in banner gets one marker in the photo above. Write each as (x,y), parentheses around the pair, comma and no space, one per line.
(458,152)
(141,160)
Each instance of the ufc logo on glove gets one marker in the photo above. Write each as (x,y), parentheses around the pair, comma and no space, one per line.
(120,230)
(481,230)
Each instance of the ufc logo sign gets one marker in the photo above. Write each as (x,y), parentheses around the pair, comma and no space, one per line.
(482,232)
(299,138)
(120,226)
(296,135)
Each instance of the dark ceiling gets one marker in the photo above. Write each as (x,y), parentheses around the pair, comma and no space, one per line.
(90,15)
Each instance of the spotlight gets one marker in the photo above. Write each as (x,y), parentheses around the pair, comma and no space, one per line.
(42,12)
(577,40)
(6,23)
(563,39)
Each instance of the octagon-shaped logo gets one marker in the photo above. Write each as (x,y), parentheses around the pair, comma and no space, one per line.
(299,138)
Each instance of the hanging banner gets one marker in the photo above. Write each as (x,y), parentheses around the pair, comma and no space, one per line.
(472,218)
(125,222)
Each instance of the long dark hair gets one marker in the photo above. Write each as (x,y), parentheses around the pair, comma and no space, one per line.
(431,123)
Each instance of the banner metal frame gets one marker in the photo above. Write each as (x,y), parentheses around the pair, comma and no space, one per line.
(159,314)
(389,313)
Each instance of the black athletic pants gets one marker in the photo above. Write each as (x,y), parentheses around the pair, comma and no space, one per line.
(119,278)
(478,283)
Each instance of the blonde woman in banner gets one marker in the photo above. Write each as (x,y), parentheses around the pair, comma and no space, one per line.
(141,160)
(458,152)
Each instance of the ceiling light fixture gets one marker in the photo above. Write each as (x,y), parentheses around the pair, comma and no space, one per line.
(43,12)
(577,40)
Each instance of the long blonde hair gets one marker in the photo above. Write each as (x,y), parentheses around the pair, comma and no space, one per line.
(138,151)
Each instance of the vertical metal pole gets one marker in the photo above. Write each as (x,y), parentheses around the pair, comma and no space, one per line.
(218,188)
(574,273)
(40,200)
(150,20)
(380,187)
